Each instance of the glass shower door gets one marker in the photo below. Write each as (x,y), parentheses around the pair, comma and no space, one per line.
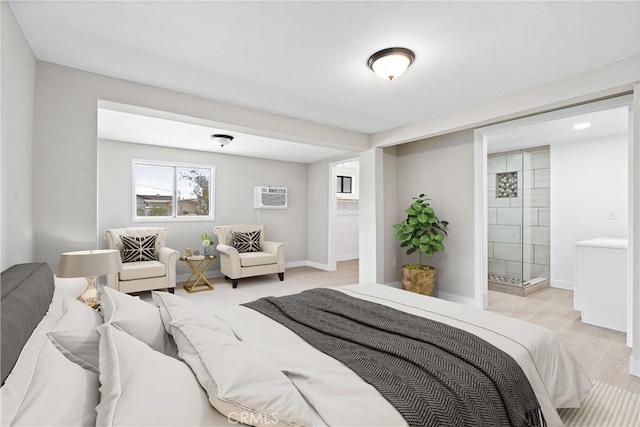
(529,216)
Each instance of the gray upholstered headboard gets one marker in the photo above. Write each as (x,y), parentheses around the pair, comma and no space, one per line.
(26,293)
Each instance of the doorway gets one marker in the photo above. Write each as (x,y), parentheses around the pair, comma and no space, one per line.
(344,211)
(590,190)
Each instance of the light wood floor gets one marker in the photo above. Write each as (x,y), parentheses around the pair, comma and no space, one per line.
(296,280)
(602,352)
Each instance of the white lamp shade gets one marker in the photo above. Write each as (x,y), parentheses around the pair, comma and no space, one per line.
(221,139)
(391,63)
(390,67)
(89,263)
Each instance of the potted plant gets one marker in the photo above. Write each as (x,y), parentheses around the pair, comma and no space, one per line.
(207,243)
(420,232)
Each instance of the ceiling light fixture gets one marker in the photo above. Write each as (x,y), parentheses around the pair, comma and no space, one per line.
(583,125)
(221,139)
(391,62)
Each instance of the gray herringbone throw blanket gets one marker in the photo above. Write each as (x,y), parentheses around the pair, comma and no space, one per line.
(432,373)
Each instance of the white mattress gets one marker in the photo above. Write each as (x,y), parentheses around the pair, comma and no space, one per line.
(341,397)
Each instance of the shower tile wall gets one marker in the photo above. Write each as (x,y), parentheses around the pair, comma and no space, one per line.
(519,237)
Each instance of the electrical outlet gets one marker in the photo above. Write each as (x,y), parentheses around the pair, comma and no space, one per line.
(612,214)
(394,262)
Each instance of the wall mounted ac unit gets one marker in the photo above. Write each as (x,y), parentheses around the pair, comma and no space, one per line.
(269,197)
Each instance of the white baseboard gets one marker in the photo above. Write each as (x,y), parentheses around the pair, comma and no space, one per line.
(634,366)
(347,257)
(317,265)
(562,284)
(455,298)
(394,284)
(440,294)
(293,264)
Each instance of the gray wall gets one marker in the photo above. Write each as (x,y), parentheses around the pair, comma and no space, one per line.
(392,252)
(65,146)
(18,80)
(318,214)
(442,168)
(235,177)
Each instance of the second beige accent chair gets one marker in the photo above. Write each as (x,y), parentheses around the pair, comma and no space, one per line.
(251,255)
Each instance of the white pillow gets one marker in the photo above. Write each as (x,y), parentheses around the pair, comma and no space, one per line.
(56,392)
(17,384)
(241,383)
(180,311)
(137,318)
(143,387)
(74,335)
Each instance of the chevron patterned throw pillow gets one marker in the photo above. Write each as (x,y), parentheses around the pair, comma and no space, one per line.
(141,248)
(247,242)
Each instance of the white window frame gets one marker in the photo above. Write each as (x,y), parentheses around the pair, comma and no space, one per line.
(174,217)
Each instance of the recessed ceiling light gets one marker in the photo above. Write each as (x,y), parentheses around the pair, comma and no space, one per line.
(583,125)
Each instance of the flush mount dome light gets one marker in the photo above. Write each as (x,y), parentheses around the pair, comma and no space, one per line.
(221,139)
(391,62)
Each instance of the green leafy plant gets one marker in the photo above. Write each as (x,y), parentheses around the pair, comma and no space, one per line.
(421,231)
(206,240)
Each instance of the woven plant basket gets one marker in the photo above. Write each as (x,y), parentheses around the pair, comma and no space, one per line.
(420,279)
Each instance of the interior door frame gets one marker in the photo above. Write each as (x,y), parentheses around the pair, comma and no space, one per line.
(332,259)
(481,136)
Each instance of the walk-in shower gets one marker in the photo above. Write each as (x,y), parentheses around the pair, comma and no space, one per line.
(518,218)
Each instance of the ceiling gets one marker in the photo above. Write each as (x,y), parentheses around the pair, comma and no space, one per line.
(308,59)
(141,129)
(614,121)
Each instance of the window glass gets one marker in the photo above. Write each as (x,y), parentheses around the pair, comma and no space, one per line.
(344,184)
(193,191)
(166,192)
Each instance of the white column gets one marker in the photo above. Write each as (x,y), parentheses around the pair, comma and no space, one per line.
(371,242)
(634,231)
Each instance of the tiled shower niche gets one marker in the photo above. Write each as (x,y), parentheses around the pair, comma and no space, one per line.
(518,219)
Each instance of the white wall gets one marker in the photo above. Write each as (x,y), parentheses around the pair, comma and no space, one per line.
(347,216)
(634,244)
(347,231)
(588,180)
(18,81)
(65,146)
(235,178)
(352,171)
(442,168)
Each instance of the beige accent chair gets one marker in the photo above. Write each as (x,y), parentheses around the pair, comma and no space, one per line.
(143,275)
(236,266)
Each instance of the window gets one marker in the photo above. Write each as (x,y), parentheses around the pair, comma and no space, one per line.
(165,191)
(344,184)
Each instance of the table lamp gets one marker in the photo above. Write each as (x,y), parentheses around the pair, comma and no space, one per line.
(89,264)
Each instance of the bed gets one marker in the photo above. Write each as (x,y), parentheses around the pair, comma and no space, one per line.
(173,364)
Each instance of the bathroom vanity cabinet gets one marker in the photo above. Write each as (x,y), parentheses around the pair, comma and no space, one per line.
(601,282)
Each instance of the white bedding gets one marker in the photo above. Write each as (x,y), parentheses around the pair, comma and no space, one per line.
(340,397)
(331,394)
